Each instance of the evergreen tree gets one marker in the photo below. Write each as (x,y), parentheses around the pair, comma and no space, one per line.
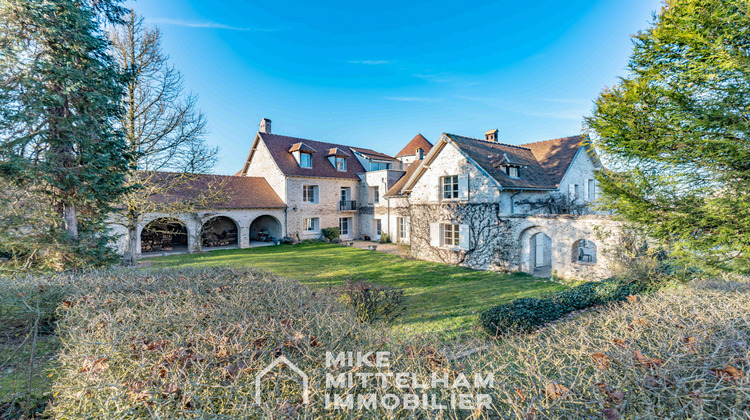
(676,132)
(59,101)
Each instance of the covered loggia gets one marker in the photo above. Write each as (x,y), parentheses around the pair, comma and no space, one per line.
(265,228)
(220,231)
(164,234)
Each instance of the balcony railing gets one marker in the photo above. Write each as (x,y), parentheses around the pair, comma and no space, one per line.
(346,205)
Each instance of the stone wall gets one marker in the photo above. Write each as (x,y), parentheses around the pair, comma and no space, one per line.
(326,209)
(264,166)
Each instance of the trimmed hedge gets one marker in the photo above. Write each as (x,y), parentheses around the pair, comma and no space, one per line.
(527,314)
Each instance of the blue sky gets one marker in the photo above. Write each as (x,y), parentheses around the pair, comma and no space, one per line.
(376,74)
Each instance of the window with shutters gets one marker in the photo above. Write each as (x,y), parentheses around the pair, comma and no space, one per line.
(311,225)
(310,193)
(401,227)
(450,187)
(449,234)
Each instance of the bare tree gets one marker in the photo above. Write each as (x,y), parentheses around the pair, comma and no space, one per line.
(164,129)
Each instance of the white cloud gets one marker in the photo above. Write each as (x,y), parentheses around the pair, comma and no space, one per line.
(208,25)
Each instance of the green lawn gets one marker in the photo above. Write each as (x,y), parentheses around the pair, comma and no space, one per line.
(439,298)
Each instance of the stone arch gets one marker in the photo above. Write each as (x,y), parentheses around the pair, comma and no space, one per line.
(220,231)
(536,251)
(584,251)
(265,228)
(164,234)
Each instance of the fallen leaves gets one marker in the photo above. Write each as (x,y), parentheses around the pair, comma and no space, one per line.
(728,374)
(601,360)
(554,391)
(632,298)
(640,359)
(690,344)
(95,365)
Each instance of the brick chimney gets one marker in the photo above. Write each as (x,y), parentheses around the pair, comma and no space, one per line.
(265,126)
(491,135)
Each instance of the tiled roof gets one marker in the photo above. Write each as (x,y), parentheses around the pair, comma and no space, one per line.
(301,147)
(235,192)
(372,154)
(395,190)
(279,147)
(486,155)
(556,155)
(336,151)
(415,143)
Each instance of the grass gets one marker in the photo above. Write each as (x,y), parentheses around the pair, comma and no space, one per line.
(439,298)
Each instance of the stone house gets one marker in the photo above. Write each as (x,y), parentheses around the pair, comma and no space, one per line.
(473,202)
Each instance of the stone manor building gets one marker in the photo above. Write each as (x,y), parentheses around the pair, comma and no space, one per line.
(474,202)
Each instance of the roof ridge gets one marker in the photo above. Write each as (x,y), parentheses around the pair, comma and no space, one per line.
(488,142)
(318,141)
(555,139)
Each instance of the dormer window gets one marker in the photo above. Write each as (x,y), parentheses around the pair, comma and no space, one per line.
(341,164)
(511,171)
(302,154)
(337,157)
(305,160)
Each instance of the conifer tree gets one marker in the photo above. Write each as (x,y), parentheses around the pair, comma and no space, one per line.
(59,101)
(675,132)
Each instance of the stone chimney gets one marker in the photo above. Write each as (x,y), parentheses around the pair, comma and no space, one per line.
(265,126)
(490,135)
(420,153)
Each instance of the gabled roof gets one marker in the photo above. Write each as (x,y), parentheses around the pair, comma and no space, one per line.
(279,147)
(556,155)
(417,142)
(336,151)
(486,153)
(301,147)
(372,154)
(395,190)
(235,192)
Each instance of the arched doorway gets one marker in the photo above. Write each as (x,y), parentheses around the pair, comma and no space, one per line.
(265,229)
(219,231)
(164,235)
(541,255)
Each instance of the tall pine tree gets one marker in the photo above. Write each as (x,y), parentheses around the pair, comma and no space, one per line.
(60,97)
(676,131)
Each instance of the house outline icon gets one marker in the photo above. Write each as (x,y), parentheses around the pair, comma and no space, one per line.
(295,369)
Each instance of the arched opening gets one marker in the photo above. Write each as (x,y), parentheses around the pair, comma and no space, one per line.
(164,235)
(265,229)
(219,231)
(541,254)
(584,251)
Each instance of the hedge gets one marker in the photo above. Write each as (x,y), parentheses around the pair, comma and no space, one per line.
(527,314)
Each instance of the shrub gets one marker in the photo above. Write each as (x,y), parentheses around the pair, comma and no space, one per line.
(372,302)
(331,233)
(384,238)
(527,314)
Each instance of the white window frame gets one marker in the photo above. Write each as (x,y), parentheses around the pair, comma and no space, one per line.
(312,224)
(375,195)
(378,227)
(449,235)
(513,172)
(449,188)
(341,164)
(348,226)
(401,228)
(307,190)
(302,160)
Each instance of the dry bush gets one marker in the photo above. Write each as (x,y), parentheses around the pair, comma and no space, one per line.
(188,343)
